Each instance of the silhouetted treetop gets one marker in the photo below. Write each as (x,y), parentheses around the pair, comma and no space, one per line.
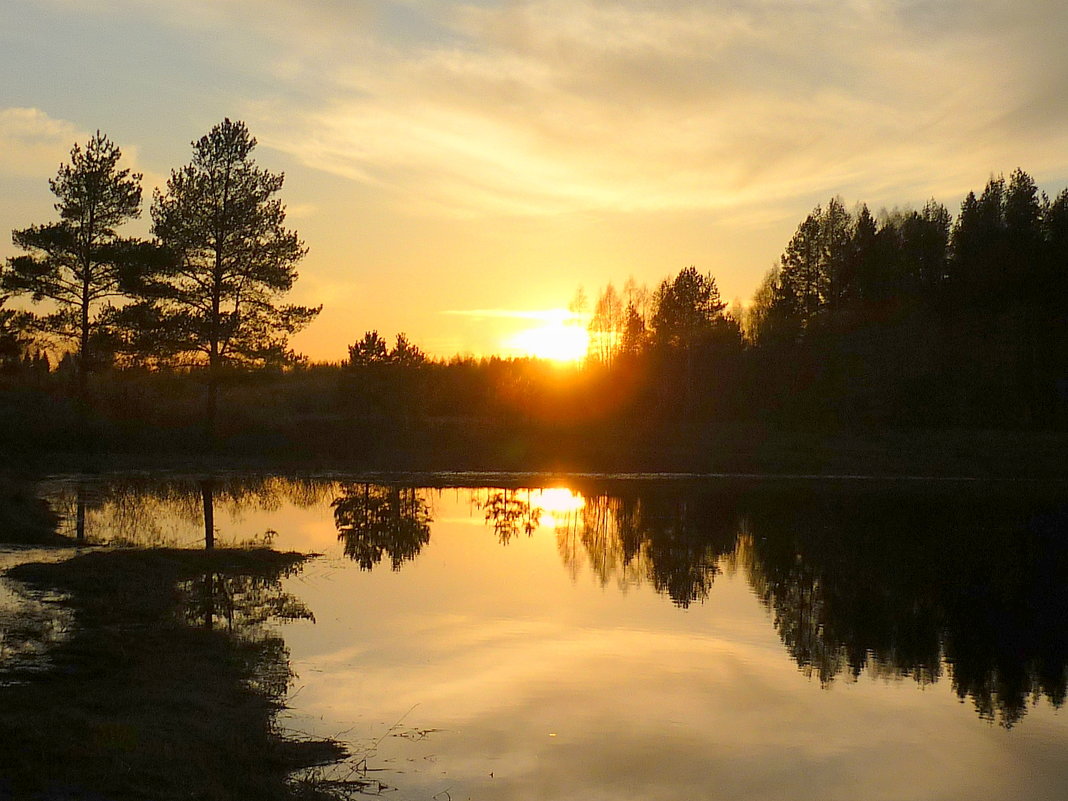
(688,308)
(233,257)
(76,262)
(372,349)
(215,300)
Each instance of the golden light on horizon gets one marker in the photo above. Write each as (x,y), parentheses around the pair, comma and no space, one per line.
(559,341)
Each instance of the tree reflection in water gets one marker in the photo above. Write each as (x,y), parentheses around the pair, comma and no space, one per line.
(893,581)
(148,684)
(917,586)
(510,511)
(241,605)
(154,511)
(375,521)
(673,542)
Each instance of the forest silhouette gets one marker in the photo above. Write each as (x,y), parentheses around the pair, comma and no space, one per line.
(903,321)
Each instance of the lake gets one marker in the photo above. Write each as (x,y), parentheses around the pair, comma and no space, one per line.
(508,636)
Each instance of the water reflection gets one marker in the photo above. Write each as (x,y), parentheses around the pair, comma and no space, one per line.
(510,512)
(160,511)
(651,535)
(170,663)
(925,584)
(911,586)
(973,586)
(375,521)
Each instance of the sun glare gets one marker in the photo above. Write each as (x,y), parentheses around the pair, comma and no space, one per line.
(558,341)
(557,504)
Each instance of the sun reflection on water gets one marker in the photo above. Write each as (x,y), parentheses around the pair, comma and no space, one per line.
(558,504)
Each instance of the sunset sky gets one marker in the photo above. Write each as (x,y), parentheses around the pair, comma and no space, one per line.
(457,170)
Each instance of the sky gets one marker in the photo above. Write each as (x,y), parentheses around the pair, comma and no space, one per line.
(458,169)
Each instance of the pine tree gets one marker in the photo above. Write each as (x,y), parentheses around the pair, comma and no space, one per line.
(76,263)
(215,301)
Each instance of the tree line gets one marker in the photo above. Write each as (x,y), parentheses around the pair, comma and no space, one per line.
(905,318)
(204,291)
(924,318)
(911,317)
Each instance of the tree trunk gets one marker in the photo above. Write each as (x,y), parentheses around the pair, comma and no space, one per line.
(212,407)
(214,354)
(207,488)
(83,344)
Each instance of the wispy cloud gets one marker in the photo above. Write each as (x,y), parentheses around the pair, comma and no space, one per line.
(33,143)
(551,106)
(548,106)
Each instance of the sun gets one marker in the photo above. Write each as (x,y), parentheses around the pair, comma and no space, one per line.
(558,341)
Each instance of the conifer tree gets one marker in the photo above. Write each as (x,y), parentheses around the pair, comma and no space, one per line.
(215,302)
(76,263)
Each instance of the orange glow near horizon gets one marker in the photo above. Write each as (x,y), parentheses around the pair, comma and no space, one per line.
(559,341)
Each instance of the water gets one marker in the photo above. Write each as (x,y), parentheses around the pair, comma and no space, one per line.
(585,638)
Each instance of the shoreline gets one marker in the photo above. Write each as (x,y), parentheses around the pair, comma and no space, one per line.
(731,453)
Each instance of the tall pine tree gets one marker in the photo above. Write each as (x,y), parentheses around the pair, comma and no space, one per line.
(75,263)
(215,302)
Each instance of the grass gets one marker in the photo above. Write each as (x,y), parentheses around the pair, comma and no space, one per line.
(166,687)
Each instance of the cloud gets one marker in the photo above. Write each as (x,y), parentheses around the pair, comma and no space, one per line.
(33,144)
(301,211)
(548,106)
(541,107)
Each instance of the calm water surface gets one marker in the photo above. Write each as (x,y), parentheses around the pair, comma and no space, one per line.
(593,639)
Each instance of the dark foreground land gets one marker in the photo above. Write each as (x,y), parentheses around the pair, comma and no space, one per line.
(165,687)
(449,446)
